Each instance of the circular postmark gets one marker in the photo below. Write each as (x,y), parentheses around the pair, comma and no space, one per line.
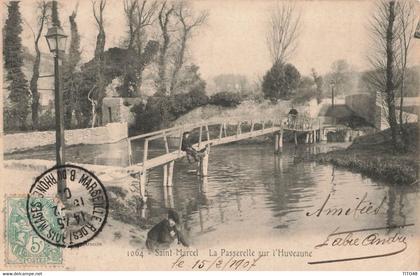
(72,217)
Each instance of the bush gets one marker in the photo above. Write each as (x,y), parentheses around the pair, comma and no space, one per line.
(160,110)
(226,99)
(304,95)
(46,121)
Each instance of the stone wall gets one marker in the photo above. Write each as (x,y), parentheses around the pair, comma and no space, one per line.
(117,109)
(370,108)
(364,105)
(112,132)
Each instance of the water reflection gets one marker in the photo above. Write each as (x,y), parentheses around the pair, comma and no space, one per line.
(252,192)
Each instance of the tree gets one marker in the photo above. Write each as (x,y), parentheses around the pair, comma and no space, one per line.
(406,27)
(164,17)
(319,82)
(390,29)
(13,61)
(190,80)
(305,91)
(189,22)
(71,79)
(283,31)
(161,109)
(232,83)
(99,61)
(280,82)
(139,15)
(341,76)
(42,10)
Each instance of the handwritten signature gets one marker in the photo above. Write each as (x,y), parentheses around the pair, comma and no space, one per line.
(366,237)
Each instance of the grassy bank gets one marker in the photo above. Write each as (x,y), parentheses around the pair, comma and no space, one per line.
(374,155)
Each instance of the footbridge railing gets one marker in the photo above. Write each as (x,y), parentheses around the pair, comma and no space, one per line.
(161,148)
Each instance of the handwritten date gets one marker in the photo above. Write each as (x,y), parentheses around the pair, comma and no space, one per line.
(216,263)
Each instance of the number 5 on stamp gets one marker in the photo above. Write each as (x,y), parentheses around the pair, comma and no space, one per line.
(23,245)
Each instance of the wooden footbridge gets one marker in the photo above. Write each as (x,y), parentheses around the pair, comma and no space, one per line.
(206,134)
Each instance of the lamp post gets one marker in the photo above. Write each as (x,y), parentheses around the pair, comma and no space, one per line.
(56,40)
(332,83)
(417,31)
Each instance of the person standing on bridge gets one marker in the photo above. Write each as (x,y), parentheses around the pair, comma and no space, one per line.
(187,146)
(292,118)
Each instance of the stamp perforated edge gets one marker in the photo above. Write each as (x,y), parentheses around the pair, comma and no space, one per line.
(6,243)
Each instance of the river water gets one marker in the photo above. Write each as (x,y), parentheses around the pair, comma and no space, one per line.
(251,192)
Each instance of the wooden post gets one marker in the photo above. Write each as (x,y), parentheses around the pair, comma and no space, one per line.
(181,134)
(280,141)
(224,129)
(171,198)
(204,163)
(307,138)
(165,175)
(145,150)
(208,132)
(296,141)
(200,136)
(166,142)
(204,184)
(142,183)
(168,197)
(165,197)
(170,173)
(130,155)
(220,131)
(276,143)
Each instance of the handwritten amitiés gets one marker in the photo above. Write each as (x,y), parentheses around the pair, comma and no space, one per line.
(361,207)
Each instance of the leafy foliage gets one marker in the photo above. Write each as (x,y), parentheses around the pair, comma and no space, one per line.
(13,61)
(411,85)
(72,80)
(280,82)
(226,99)
(162,109)
(134,67)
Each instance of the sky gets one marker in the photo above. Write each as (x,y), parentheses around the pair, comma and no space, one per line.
(233,39)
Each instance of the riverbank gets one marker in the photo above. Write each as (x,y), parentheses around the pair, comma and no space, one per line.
(374,156)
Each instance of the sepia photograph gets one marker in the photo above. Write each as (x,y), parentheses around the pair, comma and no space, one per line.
(210,135)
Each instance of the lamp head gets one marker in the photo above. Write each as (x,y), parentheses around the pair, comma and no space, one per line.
(56,39)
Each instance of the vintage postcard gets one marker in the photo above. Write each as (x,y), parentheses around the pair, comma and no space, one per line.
(210,135)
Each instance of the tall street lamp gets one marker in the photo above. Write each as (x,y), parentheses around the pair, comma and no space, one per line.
(417,32)
(56,40)
(332,83)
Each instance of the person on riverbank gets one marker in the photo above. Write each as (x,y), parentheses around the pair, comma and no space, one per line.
(187,146)
(163,234)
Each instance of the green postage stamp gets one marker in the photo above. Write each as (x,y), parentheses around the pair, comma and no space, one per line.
(23,245)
